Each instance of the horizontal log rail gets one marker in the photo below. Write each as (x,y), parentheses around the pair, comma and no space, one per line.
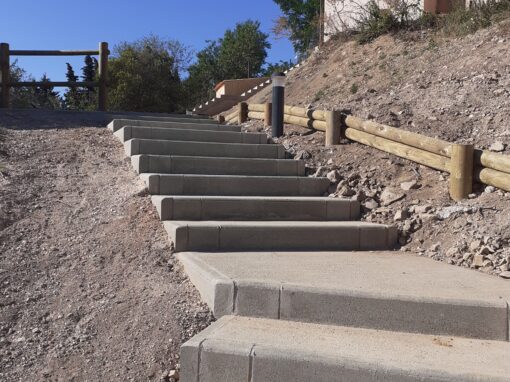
(48,84)
(101,84)
(54,52)
(464,163)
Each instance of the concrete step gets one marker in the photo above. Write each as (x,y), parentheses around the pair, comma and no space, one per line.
(232,185)
(118,124)
(255,208)
(279,236)
(174,164)
(378,290)
(186,134)
(205,149)
(237,349)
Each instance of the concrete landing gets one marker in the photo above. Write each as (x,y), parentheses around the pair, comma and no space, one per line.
(279,235)
(231,185)
(204,149)
(380,290)
(236,349)
(174,164)
(255,208)
(184,132)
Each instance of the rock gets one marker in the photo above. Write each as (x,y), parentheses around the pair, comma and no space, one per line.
(359,196)
(389,197)
(173,376)
(434,247)
(505,275)
(401,215)
(370,204)
(497,147)
(334,176)
(322,171)
(489,189)
(446,212)
(303,154)
(411,185)
(478,261)
(346,191)
(472,196)
(330,161)
(422,209)
(474,245)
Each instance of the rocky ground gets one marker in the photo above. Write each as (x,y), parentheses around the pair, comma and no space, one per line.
(457,89)
(90,290)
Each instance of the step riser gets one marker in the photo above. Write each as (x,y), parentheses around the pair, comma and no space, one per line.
(117,124)
(234,185)
(183,133)
(217,166)
(312,305)
(281,238)
(222,150)
(239,209)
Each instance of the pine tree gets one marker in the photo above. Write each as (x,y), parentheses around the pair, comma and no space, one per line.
(46,96)
(72,97)
(89,72)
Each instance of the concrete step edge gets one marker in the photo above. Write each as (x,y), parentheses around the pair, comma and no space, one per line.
(260,350)
(387,310)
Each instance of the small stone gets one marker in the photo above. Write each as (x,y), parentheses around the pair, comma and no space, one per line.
(472,196)
(321,172)
(505,275)
(422,209)
(478,261)
(435,247)
(370,204)
(359,196)
(173,376)
(411,185)
(346,191)
(489,189)
(474,245)
(497,147)
(303,154)
(334,176)
(330,161)
(389,197)
(401,215)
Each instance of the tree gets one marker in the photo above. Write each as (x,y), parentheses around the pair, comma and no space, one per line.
(72,97)
(144,75)
(300,23)
(240,53)
(281,66)
(89,72)
(46,97)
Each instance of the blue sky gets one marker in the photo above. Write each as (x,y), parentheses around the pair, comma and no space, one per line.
(72,24)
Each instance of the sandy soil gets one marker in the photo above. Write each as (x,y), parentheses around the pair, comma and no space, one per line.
(90,288)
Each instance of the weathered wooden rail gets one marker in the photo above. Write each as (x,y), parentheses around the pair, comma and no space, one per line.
(102,84)
(464,162)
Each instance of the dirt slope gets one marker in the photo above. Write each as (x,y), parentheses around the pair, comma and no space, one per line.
(89,288)
(455,89)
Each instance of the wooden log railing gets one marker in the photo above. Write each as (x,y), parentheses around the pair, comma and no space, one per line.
(101,84)
(464,163)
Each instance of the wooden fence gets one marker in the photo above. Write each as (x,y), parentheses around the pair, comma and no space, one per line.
(101,84)
(464,163)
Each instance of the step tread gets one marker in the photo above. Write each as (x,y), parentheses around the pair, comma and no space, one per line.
(385,290)
(255,349)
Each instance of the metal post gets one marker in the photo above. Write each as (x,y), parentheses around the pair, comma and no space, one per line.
(4,74)
(103,76)
(278,104)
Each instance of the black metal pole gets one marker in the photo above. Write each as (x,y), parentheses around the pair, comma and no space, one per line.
(278,104)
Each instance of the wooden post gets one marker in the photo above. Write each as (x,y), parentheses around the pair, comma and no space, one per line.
(4,74)
(461,171)
(268,109)
(333,127)
(221,119)
(243,112)
(103,76)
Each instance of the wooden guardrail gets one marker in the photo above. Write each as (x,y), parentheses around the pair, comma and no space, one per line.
(464,163)
(101,84)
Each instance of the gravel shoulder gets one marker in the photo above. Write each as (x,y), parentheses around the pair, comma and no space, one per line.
(90,288)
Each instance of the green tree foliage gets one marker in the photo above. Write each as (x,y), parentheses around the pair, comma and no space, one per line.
(32,97)
(300,23)
(240,53)
(144,75)
(72,97)
(281,66)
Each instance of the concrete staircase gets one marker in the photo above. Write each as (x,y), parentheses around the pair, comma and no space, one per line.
(301,289)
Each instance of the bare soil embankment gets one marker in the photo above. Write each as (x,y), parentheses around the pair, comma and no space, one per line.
(90,288)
